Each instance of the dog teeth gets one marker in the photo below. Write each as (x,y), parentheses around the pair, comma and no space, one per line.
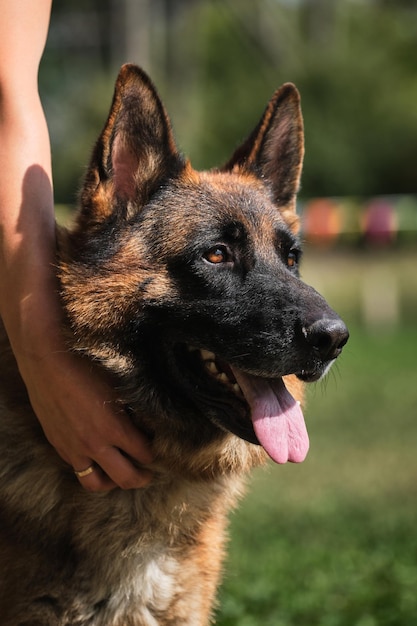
(211,367)
(209,360)
(237,390)
(206,355)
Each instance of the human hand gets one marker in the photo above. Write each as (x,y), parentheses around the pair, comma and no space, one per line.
(76,408)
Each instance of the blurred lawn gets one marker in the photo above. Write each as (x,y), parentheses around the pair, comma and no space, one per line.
(333,541)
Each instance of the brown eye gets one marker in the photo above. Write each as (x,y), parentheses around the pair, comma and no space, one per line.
(292,259)
(218,254)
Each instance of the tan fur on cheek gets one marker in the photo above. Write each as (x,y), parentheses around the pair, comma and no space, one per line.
(106,299)
(106,293)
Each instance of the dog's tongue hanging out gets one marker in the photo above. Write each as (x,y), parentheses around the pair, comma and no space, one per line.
(277,418)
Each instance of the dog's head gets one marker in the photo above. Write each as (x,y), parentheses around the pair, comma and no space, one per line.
(186,284)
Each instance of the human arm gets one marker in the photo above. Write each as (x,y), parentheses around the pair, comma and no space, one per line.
(70,397)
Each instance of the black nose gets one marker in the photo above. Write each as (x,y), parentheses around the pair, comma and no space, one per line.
(327,336)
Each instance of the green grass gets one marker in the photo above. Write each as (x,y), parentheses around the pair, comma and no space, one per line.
(333,541)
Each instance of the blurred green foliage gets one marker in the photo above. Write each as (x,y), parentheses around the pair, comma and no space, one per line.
(216,63)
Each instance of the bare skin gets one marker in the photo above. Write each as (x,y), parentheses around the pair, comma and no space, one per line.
(71,399)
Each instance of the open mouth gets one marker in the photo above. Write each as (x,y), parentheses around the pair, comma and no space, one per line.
(258,409)
(218,370)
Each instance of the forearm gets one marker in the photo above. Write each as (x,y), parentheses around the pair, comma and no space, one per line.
(28,299)
(27,225)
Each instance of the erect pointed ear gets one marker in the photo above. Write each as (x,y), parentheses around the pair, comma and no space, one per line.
(275,149)
(134,152)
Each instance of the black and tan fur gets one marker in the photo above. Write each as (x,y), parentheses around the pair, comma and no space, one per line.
(162,261)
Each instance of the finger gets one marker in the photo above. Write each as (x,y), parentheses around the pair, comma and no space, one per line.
(132,441)
(122,471)
(92,478)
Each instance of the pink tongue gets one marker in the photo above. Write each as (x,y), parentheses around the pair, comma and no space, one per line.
(277,418)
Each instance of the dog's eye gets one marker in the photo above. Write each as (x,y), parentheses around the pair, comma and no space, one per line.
(218,254)
(292,258)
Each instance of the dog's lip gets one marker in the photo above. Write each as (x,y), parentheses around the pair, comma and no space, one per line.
(222,371)
(309,376)
(316,373)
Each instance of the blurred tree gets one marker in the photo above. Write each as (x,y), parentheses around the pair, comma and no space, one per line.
(216,63)
(355,66)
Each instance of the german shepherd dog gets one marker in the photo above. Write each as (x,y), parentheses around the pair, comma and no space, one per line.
(184,287)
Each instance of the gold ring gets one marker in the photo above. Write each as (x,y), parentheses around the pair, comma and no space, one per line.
(85,472)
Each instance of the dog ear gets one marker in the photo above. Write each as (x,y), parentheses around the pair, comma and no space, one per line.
(275,149)
(134,152)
